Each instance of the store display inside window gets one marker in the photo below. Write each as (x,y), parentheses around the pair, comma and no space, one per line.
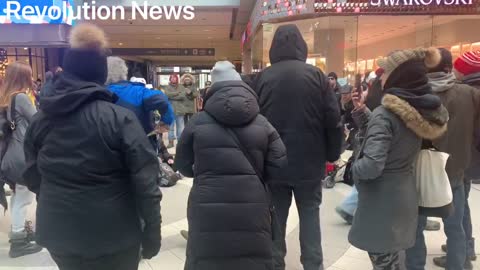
(3,61)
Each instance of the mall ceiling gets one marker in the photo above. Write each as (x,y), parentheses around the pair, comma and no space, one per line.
(213,27)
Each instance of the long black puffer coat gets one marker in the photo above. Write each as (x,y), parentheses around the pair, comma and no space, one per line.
(228,208)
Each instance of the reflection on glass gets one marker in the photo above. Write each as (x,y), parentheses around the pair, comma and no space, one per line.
(353,44)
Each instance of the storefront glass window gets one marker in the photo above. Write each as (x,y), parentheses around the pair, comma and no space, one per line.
(457,33)
(350,45)
(31,56)
(380,35)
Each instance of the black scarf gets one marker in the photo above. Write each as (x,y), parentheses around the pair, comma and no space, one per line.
(421,98)
(409,82)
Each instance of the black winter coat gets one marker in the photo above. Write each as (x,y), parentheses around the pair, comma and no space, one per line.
(295,97)
(94,172)
(228,208)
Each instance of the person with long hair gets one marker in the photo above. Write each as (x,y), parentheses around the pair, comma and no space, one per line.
(17,83)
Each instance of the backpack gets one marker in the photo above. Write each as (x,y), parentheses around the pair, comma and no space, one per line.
(166,176)
(7,127)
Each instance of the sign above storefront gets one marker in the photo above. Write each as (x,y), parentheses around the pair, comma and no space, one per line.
(397,7)
(165,51)
(378,3)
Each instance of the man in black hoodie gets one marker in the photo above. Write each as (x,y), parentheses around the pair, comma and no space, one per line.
(296,98)
(92,167)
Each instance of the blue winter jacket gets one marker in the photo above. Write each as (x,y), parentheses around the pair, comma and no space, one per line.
(143,101)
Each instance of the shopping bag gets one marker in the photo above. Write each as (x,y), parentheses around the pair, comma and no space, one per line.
(166,176)
(433,185)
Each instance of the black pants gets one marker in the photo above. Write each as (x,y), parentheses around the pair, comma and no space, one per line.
(386,261)
(308,197)
(123,260)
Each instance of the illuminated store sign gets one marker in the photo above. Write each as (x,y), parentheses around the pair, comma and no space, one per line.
(405,7)
(420,2)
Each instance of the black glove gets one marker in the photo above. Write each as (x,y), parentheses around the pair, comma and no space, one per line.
(151,243)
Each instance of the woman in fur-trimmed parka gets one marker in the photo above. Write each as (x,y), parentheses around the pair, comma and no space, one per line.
(386,219)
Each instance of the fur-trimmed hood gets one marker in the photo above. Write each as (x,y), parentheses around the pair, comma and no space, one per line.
(187,75)
(425,124)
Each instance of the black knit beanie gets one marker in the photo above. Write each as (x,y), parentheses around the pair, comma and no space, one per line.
(409,75)
(87,58)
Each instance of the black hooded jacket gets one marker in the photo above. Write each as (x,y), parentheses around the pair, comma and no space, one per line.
(295,97)
(93,169)
(228,209)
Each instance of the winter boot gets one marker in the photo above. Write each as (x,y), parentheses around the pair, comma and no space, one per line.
(471,255)
(432,225)
(21,246)
(442,263)
(171,143)
(30,231)
(184,234)
(343,214)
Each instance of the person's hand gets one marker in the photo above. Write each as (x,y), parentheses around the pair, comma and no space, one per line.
(357,99)
(161,128)
(170,162)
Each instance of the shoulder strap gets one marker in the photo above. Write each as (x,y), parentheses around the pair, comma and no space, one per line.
(11,116)
(246,154)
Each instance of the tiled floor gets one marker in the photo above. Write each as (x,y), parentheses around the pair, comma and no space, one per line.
(339,255)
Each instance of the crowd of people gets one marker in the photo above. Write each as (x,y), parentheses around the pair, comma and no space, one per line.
(89,156)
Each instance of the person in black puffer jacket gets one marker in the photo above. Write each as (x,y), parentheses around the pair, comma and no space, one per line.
(228,210)
(92,167)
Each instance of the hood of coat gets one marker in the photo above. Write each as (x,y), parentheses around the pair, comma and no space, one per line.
(472,79)
(288,44)
(68,94)
(232,103)
(441,81)
(430,125)
(185,76)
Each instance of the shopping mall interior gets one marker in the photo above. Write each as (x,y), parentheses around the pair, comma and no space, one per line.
(344,36)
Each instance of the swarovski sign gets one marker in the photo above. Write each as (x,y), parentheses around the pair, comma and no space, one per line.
(392,3)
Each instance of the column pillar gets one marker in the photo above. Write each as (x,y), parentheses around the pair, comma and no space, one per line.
(247,61)
(330,43)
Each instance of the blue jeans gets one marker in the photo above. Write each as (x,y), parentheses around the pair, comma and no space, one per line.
(179,123)
(350,203)
(467,221)
(456,255)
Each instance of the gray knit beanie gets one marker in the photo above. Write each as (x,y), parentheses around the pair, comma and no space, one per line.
(224,71)
(430,56)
